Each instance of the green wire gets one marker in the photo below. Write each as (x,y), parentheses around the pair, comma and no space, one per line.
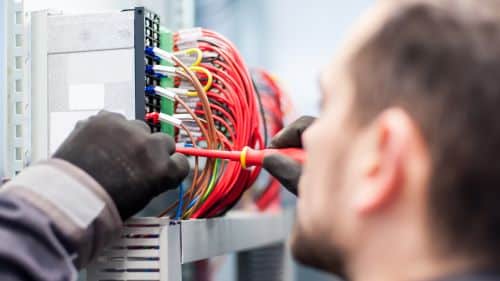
(212,180)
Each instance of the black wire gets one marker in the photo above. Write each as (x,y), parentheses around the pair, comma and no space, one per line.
(262,114)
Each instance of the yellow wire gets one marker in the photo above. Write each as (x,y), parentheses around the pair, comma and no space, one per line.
(210,79)
(243,157)
(198,52)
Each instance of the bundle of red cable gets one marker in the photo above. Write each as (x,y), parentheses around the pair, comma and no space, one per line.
(275,105)
(227,116)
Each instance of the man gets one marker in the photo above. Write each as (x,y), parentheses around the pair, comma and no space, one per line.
(401,179)
(402,176)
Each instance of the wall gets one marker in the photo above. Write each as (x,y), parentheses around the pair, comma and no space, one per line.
(295,39)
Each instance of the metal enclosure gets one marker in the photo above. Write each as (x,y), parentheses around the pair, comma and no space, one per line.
(81,64)
(155,248)
(62,68)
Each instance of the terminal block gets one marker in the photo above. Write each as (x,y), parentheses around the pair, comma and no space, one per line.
(167,106)
(147,33)
(90,62)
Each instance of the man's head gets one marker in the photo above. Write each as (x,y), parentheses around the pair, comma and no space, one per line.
(405,155)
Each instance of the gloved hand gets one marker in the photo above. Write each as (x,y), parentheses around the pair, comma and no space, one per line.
(129,162)
(283,168)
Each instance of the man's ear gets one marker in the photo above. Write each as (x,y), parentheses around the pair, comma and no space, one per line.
(383,168)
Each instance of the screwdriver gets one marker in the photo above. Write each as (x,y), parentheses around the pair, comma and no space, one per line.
(247,156)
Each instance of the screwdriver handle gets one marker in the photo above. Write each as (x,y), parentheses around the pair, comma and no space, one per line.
(247,157)
(251,157)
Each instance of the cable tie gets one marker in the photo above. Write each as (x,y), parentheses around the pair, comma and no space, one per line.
(183,116)
(190,34)
(164,69)
(169,119)
(178,91)
(162,53)
(164,92)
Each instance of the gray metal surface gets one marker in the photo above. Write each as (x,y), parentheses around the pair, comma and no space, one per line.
(264,264)
(148,249)
(3,87)
(15,88)
(155,248)
(90,32)
(237,231)
(39,108)
(84,63)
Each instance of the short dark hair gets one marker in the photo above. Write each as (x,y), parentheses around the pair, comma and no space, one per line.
(441,64)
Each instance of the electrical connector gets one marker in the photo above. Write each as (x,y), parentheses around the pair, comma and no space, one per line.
(157,52)
(160,91)
(160,69)
(156,117)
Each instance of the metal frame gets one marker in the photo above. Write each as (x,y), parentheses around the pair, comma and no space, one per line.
(156,248)
(38,55)
(16,98)
(56,37)
(205,238)
(3,87)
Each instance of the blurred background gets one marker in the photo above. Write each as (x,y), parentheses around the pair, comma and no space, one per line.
(293,39)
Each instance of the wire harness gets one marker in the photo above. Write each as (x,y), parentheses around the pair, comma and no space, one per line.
(275,105)
(216,107)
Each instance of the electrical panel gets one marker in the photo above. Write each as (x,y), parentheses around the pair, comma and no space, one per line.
(89,62)
(191,84)
(84,63)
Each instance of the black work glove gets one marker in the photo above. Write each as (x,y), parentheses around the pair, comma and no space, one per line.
(129,162)
(283,168)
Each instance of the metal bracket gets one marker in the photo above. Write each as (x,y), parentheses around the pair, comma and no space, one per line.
(17,101)
(155,248)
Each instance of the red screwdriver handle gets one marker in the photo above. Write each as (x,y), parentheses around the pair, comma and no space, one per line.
(256,157)
(297,154)
(247,157)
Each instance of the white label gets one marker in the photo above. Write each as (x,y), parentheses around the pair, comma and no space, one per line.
(86,97)
(61,125)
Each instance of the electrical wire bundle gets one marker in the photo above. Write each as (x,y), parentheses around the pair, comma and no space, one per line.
(275,104)
(216,107)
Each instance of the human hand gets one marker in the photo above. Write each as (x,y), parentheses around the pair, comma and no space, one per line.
(283,168)
(129,162)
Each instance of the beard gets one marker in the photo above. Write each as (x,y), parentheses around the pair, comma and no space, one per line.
(317,252)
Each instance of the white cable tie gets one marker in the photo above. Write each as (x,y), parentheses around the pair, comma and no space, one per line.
(190,34)
(162,53)
(165,93)
(165,69)
(183,116)
(169,119)
(178,91)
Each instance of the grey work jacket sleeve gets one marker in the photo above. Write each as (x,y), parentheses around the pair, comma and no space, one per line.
(54,218)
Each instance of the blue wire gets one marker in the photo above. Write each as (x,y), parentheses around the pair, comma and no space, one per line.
(178,213)
(193,202)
